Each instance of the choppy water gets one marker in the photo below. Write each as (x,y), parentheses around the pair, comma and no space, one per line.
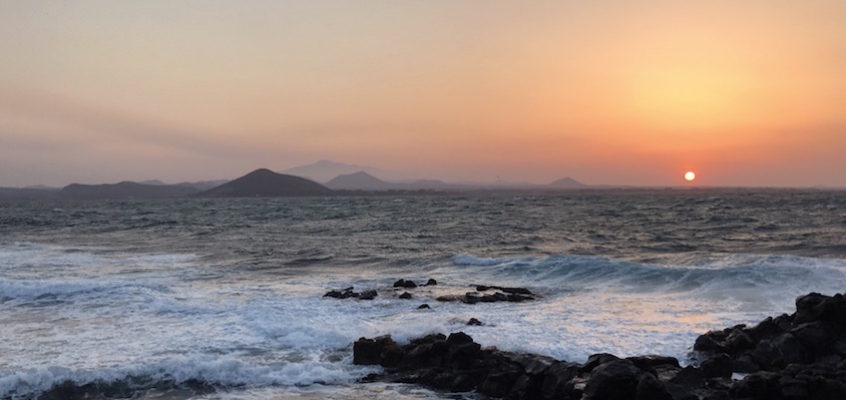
(156,294)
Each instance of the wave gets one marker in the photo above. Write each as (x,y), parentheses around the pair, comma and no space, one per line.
(33,290)
(200,373)
(730,272)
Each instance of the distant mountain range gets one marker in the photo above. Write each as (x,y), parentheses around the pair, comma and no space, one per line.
(567,183)
(123,190)
(362,181)
(266,183)
(359,181)
(326,170)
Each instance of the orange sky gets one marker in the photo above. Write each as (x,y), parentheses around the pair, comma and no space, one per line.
(616,92)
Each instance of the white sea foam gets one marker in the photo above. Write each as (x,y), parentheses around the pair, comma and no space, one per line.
(108,316)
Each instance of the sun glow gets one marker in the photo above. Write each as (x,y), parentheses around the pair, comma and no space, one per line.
(689,176)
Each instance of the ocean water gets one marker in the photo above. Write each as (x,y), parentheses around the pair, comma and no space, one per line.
(222,299)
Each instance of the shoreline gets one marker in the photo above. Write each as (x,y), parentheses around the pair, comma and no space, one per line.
(796,356)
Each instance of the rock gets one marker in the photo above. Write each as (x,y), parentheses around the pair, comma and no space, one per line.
(596,360)
(613,380)
(369,351)
(367,295)
(760,385)
(423,306)
(650,388)
(402,283)
(556,380)
(499,383)
(405,295)
(459,338)
(474,322)
(798,356)
(341,294)
(814,336)
(431,282)
(509,290)
(719,366)
(809,307)
(689,378)
(651,361)
(707,342)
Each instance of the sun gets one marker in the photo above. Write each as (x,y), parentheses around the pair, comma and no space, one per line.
(689,176)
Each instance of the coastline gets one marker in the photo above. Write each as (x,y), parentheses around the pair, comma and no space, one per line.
(796,356)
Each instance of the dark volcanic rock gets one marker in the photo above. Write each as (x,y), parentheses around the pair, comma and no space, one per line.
(718,366)
(367,295)
(621,379)
(509,290)
(790,357)
(475,297)
(431,282)
(349,293)
(424,306)
(405,295)
(341,294)
(474,322)
(810,335)
(402,283)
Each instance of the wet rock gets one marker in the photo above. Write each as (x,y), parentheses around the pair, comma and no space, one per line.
(341,294)
(405,295)
(799,356)
(474,322)
(509,290)
(367,295)
(431,282)
(423,306)
(402,283)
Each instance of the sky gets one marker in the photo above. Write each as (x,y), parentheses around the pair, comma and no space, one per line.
(744,93)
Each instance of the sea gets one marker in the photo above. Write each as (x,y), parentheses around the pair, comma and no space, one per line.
(223,298)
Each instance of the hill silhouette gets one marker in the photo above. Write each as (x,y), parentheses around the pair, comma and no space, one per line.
(567,183)
(123,190)
(359,181)
(266,183)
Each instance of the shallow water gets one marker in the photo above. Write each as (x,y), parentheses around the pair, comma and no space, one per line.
(153,294)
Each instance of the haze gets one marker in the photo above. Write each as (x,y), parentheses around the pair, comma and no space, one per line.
(745,93)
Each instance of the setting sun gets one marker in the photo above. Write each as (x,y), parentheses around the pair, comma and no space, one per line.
(689,176)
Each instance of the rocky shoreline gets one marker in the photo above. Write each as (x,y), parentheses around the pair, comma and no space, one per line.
(789,357)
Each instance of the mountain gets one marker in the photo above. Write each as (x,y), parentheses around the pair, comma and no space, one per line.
(123,190)
(203,185)
(152,182)
(324,170)
(266,183)
(7,193)
(359,181)
(567,183)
